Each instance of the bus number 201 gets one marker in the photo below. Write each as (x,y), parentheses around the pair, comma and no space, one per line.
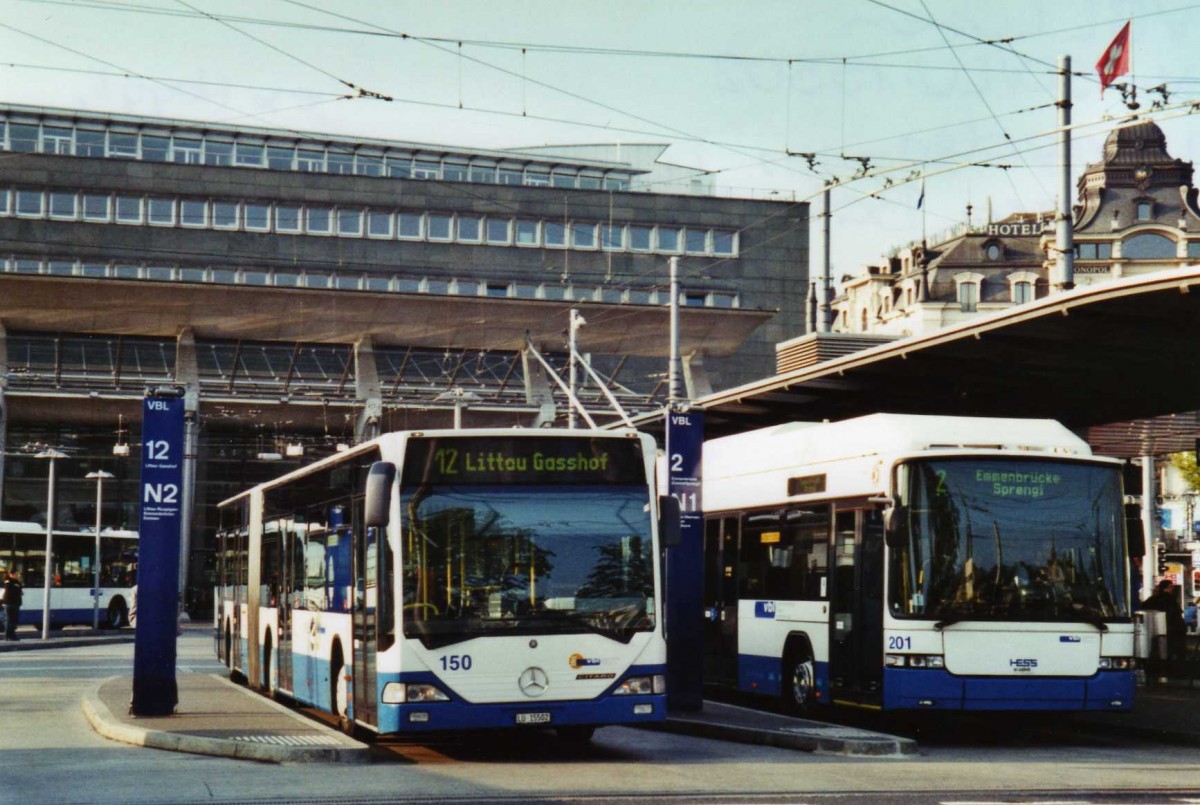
(897,642)
(456,662)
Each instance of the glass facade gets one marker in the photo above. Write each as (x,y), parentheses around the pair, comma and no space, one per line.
(100,139)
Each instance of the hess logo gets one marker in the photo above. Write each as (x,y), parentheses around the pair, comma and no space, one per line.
(580,661)
(1022,666)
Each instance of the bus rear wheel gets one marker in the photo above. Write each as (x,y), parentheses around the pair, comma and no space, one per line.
(339,692)
(799,680)
(266,666)
(118,616)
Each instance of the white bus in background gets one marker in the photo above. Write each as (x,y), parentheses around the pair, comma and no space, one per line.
(451,580)
(23,548)
(918,562)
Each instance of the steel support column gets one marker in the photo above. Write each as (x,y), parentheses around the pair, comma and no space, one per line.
(187,374)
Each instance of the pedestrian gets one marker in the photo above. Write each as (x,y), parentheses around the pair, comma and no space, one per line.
(1164,600)
(1189,616)
(12,604)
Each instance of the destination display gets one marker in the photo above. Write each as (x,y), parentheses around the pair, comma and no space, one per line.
(522,460)
(1001,480)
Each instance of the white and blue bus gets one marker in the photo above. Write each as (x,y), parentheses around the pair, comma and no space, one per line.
(72,573)
(447,580)
(918,562)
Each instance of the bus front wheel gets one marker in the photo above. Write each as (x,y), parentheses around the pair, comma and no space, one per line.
(799,680)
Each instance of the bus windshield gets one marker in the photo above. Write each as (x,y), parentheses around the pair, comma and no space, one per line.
(1028,540)
(566,554)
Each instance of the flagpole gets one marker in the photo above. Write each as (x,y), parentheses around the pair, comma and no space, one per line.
(924,240)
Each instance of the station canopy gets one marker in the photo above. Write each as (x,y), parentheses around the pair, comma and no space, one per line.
(1119,363)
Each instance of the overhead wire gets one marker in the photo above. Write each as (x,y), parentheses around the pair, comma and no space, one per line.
(982,97)
(676,132)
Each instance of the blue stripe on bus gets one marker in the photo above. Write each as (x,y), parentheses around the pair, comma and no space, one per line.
(459,714)
(764,675)
(928,689)
(69,617)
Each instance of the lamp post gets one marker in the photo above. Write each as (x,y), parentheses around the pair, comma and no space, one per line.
(98,476)
(52,455)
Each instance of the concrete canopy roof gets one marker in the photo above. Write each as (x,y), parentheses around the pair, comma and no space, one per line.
(141,308)
(1091,357)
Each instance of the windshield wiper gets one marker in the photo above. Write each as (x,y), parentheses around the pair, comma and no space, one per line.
(1093,619)
(947,617)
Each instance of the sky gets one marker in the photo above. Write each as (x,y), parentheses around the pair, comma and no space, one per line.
(770,99)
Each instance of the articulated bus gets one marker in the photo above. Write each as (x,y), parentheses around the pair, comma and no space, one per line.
(448,580)
(918,562)
(73,573)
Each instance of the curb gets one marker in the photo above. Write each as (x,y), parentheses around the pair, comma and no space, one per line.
(793,738)
(107,725)
(37,644)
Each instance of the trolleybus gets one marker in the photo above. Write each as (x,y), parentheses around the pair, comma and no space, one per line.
(448,580)
(73,573)
(918,562)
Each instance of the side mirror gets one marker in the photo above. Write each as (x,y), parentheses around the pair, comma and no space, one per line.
(378,508)
(670,530)
(895,521)
(896,527)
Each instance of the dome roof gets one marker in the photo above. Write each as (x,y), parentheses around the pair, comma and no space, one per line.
(1140,143)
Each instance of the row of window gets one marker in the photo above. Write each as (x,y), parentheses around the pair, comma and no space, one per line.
(195,148)
(1144,246)
(358,222)
(361,281)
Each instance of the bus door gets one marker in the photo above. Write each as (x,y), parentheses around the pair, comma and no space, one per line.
(856,629)
(366,709)
(292,582)
(720,600)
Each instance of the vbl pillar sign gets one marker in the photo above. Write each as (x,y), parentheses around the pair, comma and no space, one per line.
(685,564)
(154,687)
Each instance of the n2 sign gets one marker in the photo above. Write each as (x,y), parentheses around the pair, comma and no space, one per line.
(154,687)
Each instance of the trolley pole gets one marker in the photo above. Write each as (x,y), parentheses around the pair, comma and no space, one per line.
(98,476)
(572,335)
(52,456)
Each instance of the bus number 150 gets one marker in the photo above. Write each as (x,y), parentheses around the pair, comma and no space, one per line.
(456,662)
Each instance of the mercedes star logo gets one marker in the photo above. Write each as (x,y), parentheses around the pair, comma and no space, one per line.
(533,682)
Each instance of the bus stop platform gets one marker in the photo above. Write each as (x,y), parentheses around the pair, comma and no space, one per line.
(730,722)
(218,717)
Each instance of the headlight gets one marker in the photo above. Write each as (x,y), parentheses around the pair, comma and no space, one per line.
(399,693)
(1116,663)
(636,685)
(914,661)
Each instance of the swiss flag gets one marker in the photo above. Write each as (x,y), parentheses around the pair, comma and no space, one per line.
(1115,61)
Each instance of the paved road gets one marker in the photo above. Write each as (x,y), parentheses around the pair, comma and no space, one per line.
(49,754)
